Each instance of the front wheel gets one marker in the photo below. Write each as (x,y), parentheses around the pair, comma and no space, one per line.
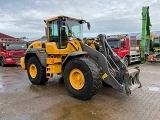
(36,72)
(82,78)
(126,61)
(3,62)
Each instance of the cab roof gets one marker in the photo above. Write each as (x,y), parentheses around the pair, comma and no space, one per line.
(55,18)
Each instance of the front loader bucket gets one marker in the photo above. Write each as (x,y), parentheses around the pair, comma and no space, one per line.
(113,69)
(131,80)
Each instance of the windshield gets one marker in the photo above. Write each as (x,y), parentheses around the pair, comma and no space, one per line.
(157,42)
(16,46)
(74,28)
(113,43)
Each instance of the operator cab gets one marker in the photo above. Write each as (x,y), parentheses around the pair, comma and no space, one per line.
(116,43)
(62,28)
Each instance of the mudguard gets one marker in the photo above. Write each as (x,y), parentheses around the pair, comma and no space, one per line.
(71,55)
(39,53)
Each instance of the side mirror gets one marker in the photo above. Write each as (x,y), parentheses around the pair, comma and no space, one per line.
(88,25)
(123,43)
(3,46)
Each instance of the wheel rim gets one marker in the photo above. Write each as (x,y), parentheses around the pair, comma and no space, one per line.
(76,78)
(33,71)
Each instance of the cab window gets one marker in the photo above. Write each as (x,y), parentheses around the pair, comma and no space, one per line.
(64,36)
(53,31)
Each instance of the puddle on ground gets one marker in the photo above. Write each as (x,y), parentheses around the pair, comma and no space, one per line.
(156,89)
(1,86)
(4,76)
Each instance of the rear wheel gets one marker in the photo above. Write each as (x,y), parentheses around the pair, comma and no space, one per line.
(82,78)
(36,72)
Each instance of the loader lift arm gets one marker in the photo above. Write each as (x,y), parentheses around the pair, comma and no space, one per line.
(114,71)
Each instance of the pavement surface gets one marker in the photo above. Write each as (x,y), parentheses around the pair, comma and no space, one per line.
(20,100)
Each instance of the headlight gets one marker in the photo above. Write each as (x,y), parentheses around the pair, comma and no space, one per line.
(10,54)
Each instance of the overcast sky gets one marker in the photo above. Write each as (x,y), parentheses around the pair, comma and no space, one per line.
(20,18)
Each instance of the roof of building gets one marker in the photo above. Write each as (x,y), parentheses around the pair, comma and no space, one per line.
(155,33)
(5,36)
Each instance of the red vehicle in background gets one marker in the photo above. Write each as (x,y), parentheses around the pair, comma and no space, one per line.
(125,47)
(11,50)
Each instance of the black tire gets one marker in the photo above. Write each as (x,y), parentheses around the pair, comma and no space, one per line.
(126,61)
(61,79)
(105,84)
(2,62)
(41,72)
(91,74)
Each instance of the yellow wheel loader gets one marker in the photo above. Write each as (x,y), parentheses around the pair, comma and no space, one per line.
(84,66)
